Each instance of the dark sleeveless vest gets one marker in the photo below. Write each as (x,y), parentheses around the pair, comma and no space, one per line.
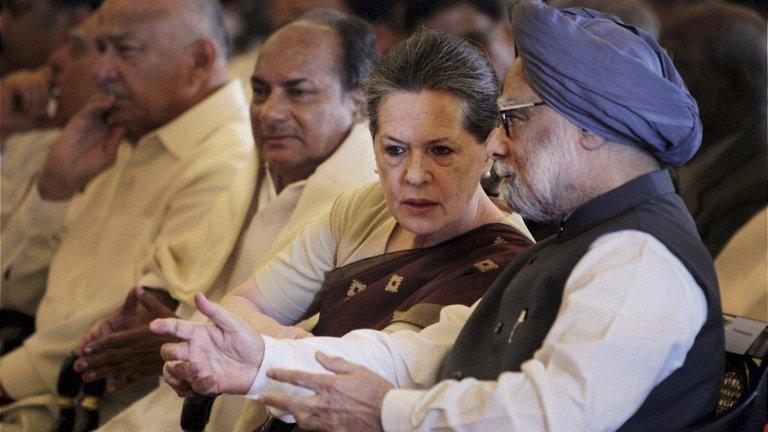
(495,341)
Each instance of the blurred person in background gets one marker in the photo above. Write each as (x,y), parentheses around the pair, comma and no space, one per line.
(25,258)
(720,50)
(31,29)
(483,21)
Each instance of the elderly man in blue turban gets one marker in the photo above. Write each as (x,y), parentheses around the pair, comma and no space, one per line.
(614,323)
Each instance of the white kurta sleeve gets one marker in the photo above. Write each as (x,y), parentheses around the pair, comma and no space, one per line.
(36,222)
(407,359)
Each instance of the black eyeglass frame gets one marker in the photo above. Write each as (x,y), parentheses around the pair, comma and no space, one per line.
(504,111)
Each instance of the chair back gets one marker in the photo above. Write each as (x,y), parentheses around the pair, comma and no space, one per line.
(743,404)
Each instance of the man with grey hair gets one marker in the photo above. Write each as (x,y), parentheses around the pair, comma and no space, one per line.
(159,167)
(613,323)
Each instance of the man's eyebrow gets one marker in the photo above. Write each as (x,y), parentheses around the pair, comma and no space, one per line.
(118,38)
(77,37)
(295,82)
(256,81)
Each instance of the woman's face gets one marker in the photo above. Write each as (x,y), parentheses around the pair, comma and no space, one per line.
(429,164)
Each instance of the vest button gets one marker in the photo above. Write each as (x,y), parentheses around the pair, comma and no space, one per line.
(498,327)
(531,259)
(457,375)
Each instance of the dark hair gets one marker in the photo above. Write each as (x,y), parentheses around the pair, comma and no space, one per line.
(418,11)
(70,4)
(374,10)
(433,61)
(358,44)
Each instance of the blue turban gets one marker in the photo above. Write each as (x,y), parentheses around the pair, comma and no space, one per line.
(607,77)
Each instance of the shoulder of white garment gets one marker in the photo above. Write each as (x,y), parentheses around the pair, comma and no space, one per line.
(182,135)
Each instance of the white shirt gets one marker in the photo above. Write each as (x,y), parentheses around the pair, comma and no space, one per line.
(25,259)
(165,215)
(277,219)
(629,315)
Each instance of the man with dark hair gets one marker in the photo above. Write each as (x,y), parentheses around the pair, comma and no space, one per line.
(482,21)
(720,50)
(32,29)
(614,323)
(159,162)
(305,115)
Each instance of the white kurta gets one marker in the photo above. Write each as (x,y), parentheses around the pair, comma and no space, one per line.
(25,259)
(165,215)
(627,292)
(276,222)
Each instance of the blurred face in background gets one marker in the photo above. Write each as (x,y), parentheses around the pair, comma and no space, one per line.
(494,38)
(72,64)
(31,29)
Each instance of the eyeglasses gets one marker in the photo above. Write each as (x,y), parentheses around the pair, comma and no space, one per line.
(505,110)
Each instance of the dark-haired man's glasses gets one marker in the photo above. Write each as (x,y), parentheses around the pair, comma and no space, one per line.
(506,114)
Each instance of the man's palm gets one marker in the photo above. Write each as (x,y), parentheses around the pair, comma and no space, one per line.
(218,357)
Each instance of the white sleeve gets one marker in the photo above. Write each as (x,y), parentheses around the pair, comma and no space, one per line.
(32,235)
(629,315)
(407,359)
(289,281)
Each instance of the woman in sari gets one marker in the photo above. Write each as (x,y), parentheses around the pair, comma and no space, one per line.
(390,255)
(426,235)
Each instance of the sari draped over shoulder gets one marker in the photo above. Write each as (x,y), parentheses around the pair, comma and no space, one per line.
(412,286)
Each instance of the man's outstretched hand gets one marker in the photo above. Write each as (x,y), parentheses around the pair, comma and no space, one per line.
(121,348)
(222,356)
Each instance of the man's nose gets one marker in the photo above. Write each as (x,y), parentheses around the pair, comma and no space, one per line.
(57,58)
(498,144)
(104,69)
(274,109)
